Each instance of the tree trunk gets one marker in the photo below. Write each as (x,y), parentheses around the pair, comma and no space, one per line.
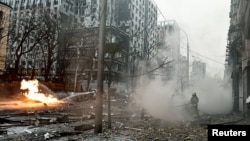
(32,74)
(88,81)
(15,71)
(47,71)
(89,76)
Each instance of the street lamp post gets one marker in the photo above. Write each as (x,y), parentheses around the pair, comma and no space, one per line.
(187,61)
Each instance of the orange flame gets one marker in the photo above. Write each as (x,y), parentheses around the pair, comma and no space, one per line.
(33,92)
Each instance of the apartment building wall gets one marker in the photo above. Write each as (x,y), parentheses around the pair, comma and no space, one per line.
(25,8)
(4,25)
(198,70)
(245,50)
(169,46)
(237,54)
(143,27)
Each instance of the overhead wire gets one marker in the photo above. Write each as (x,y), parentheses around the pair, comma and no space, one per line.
(204,56)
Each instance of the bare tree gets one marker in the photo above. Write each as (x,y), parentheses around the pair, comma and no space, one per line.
(88,60)
(78,51)
(111,50)
(66,40)
(49,47)
(26,36)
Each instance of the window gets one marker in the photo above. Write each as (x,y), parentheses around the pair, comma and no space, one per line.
(55,9)
(23,63)
(82,11)
(119,67)
(1,18)
(67,8)
(22,5)
(71,8)
(16,5)
(48,3)
(28,2)
(93,10)
(82,19)
(76,11)
(83,2)
(55,2)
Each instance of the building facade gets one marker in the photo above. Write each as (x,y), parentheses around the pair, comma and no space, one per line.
(4,26)
(237,68)
(198,70)
(33,12)
(169,46)
(143,27)
(169,39)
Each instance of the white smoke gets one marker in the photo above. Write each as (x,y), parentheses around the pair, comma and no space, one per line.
(165,100)
(215,96)
(158,99)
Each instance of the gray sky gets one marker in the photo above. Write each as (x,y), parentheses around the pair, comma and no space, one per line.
(206,23)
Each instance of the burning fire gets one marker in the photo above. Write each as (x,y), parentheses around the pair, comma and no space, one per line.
(33,92)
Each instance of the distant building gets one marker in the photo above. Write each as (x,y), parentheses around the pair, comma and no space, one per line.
(169,46)
(198,70)
(169,36)
(4,25)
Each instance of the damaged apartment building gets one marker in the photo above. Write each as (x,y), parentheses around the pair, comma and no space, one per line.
(237,68)
(169,44)
(130,25)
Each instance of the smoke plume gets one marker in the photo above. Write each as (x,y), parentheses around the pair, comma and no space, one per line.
(167,101)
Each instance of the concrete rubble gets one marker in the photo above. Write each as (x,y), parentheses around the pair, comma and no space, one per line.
(74,121)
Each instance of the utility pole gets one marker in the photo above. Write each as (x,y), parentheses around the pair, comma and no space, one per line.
(187,61)
(187,55)
(99,96)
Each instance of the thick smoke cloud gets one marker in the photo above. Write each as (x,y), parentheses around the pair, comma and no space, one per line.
(165,100)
